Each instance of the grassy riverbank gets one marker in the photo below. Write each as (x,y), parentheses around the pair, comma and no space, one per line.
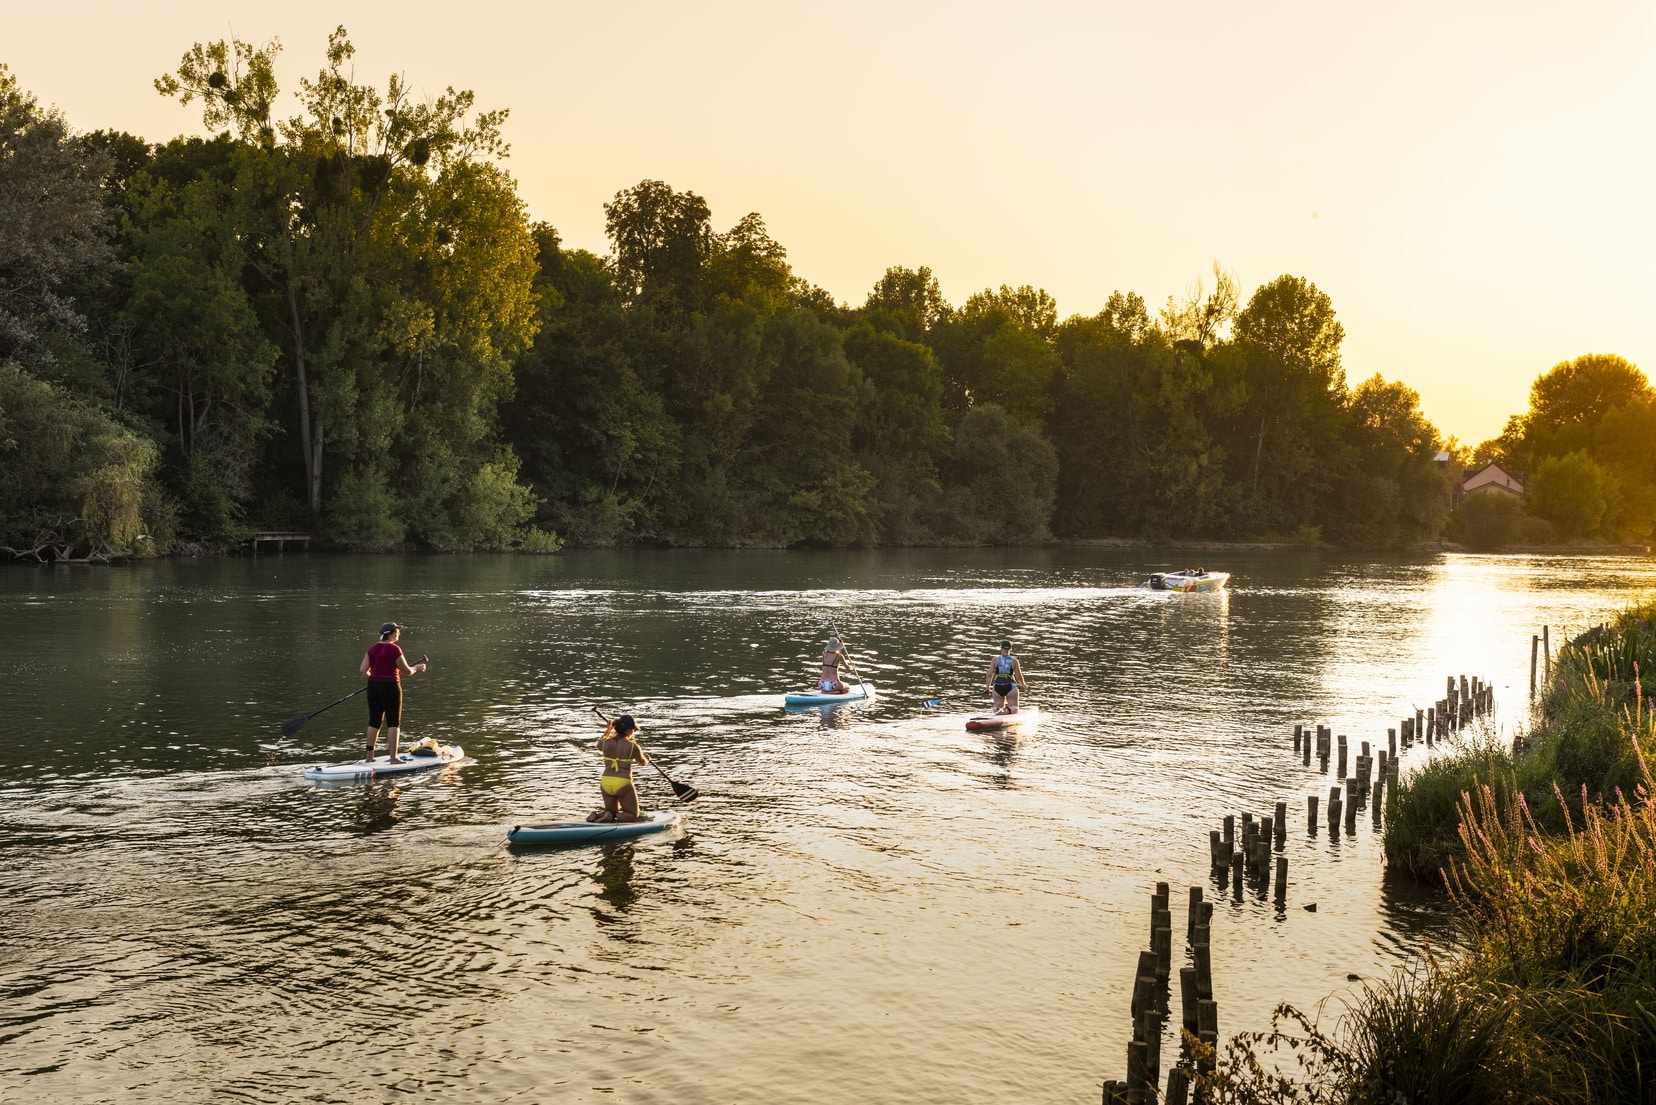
(1553,998)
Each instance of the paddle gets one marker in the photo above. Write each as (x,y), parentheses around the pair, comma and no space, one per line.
(835,631)
(681,791)
(299,723)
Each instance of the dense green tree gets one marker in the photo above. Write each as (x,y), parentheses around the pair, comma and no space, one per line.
(1131,429)
(1285,443)
(998,348)
(1488,520)
(908,302)
(53,227)
(900,434)
(1001,480)
(1568,403)
(661,241)
(74,484)
(392,264)
(1396,493)
(357,287)
(1572,492)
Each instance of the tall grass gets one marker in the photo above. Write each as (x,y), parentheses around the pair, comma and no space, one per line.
(1553,869)
(1578,741)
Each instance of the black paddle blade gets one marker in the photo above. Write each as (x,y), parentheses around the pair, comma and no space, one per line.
(685,793)
(294,726)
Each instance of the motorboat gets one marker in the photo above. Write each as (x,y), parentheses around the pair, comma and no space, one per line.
(1191,579)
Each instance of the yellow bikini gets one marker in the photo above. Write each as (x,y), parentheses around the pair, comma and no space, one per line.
(615,784)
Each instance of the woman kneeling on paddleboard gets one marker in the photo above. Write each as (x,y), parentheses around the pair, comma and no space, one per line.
(1005,678)
(834,657)
(620,751)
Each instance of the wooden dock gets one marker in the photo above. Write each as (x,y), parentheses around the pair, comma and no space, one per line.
(280,539)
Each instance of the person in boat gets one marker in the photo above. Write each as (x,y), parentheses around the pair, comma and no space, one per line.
(1005,680)
(384,664)
(834,658)
(620,748)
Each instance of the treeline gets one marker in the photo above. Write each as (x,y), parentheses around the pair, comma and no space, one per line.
(345,322)
(1586,452)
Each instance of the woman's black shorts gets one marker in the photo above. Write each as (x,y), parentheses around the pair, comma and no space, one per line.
(1003,687)
(384,703)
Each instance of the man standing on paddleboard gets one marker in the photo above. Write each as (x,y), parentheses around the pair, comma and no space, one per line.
(384,664)
(1005,677)
(834,657)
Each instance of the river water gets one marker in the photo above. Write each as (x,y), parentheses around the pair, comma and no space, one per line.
(865,905)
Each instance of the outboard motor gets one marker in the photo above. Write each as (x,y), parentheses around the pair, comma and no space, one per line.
(1157,581)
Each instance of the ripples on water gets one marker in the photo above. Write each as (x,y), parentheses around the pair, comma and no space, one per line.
(868,904)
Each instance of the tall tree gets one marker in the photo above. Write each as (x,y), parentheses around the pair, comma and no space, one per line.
(907,301)
(1286,442)
(661,241)
(392,256)
(54,225)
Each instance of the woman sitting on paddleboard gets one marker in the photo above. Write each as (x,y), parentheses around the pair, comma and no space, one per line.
(1005,677)
(384,664)
(620,752)
(834,657)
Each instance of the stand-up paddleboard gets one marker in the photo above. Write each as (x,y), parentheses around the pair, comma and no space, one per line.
(856,692)
(383,765)
(591,832)
(1026,717)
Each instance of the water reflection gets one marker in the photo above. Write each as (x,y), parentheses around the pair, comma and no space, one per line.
(1002,751)
(615,880)
(376,810)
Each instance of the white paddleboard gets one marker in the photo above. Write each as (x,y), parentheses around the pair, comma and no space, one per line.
(856,693)
(384,765)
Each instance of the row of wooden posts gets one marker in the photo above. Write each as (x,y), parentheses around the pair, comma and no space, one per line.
(1249,862)
(1199,1012)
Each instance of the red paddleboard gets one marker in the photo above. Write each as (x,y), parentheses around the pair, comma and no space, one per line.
(1027,716)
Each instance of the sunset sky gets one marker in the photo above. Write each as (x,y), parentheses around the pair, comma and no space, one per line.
(1471,183)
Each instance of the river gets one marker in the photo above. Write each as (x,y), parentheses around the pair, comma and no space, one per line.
(865,905)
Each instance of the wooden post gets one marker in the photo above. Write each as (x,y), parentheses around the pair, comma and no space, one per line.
(1178,1084)
(1281,881)
(1207,1020)
(1187,998)
(1391,741)
(1195,912)
(1546,655)
(1311,813)
(1299,731)
(1281,823)
(1138,1061)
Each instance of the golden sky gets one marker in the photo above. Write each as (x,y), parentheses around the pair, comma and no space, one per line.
(1470,182)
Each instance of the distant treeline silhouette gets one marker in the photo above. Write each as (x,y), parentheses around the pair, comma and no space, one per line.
(345,323)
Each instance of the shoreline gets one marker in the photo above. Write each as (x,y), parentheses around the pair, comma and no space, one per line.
(1431,548)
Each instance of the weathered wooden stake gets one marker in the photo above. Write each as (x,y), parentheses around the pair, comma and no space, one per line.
(1281,880)
(1187,998)
(1178,1084)
(1311,813)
